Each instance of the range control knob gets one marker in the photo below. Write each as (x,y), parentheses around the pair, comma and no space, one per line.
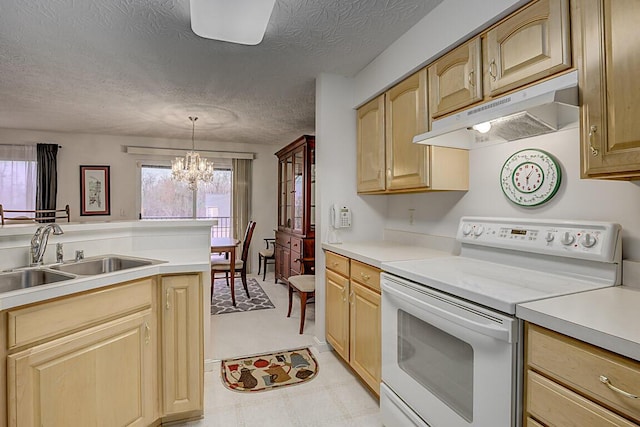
(588,240)
(549,237)
(467,229)
(567,238)
(479,230)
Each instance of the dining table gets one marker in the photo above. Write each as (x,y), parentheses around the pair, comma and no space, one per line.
(227,245)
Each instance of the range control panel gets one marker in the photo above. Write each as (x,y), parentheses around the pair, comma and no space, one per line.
(575,239)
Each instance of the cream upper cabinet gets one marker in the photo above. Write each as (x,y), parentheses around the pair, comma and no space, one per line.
(607,51)
(371,149)
(182,346)
(96,377)
(531,44)
(389,161)
(405,117)
(455,80)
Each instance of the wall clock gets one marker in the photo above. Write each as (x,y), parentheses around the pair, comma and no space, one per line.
(530,177)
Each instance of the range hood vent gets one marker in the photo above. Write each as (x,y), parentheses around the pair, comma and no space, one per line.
(543,108)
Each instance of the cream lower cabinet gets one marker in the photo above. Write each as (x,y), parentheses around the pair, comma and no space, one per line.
(182,346)
(95,377)
(353,316)
(130,354)
(563,385)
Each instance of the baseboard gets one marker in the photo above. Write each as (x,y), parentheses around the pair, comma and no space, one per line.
(321,346)
(208,364)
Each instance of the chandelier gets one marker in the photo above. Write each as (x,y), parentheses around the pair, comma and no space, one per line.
(191,168)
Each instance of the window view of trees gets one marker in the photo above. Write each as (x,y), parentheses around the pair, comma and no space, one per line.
(162,197)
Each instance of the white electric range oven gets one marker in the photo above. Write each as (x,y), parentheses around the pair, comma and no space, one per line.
(451,344)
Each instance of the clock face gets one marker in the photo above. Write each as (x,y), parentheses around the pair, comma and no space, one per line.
(530,177)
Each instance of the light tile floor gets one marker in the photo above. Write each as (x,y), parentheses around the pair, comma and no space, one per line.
(334,398)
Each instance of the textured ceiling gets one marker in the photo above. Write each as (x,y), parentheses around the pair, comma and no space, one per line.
(134,67)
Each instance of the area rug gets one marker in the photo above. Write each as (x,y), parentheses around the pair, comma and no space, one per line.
(269,371)
(221,303)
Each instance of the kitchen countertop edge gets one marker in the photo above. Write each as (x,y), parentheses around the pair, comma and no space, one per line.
(377,252)
(599,317)
(42,293)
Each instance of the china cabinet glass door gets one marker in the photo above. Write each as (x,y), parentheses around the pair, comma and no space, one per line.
(298,190)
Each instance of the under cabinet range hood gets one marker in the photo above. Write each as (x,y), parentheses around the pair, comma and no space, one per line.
(542,108)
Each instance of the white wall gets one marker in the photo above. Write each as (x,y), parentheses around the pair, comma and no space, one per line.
(88,149)
(336,176)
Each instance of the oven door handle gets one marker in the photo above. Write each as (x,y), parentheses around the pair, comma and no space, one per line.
(492,330)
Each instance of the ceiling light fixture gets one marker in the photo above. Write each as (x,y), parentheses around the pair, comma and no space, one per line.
(235,21)
(191,168)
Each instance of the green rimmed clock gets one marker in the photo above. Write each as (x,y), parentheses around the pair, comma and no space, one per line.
(530,177)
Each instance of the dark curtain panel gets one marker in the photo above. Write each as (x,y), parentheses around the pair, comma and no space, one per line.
(47,187)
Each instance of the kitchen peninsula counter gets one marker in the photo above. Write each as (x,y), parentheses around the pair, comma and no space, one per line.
(181,245)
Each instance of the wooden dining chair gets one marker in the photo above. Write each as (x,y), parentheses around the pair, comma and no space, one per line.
(224,265)
(15,216)
(304,285)
(266,255)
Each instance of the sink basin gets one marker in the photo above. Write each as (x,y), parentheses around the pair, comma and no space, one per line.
(93,266)
(21,279)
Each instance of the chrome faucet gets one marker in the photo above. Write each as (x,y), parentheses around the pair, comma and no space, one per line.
(39,241)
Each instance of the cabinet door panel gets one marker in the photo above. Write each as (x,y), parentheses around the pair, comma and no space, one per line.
(609,87)
(182,350)
(96,377)
(455,80)
(530,45)
(370,128)
(337,313)
(365,353)
(405,117)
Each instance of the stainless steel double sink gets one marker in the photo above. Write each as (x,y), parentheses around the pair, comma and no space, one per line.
(28,277)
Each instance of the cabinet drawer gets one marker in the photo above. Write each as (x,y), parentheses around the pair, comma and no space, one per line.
(365,274)
(555,405)
(530,422)
(283,240)
(296,244)
(580,365)
(337,263)
(43,321)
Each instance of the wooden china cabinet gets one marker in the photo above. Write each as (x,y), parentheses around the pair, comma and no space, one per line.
(295,236)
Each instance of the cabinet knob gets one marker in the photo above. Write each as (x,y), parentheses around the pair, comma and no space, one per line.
(470,78)
(365,277)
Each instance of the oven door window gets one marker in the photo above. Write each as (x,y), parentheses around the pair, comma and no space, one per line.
(440,362)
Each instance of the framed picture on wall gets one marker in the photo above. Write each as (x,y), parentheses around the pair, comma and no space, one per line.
(95,190)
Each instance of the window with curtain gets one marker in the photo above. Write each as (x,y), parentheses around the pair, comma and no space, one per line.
(18,175)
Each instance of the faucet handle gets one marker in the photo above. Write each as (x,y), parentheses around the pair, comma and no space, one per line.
(79,255)
(59,253)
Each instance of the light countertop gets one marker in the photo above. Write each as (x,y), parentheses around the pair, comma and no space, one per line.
(85,283)
(607,318)
(376,252)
